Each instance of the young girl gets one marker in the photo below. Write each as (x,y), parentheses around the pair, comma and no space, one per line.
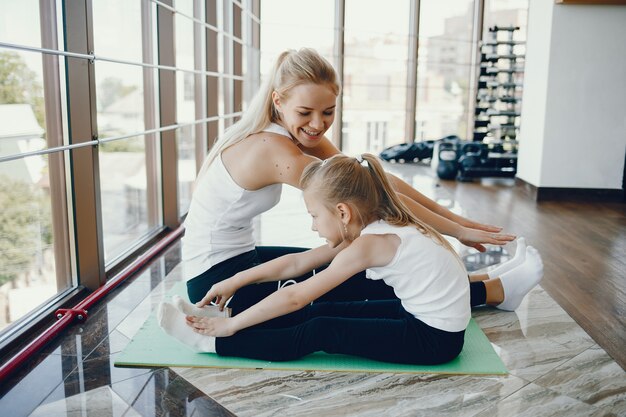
(281,132)
(367,227)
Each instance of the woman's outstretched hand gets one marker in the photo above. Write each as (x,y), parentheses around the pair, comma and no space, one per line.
(475,238)
(220,292)
(471,224)
(212,326)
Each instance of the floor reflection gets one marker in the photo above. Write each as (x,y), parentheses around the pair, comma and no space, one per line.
(158,393)
(475,261)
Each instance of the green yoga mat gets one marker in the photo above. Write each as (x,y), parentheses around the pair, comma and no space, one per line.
(152,347)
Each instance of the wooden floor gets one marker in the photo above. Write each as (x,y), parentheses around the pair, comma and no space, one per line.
(583,245)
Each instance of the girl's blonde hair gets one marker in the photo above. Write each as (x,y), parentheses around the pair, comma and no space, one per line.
(292,68)
(363,184)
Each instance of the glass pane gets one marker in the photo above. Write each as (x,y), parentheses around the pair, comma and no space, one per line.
(185,142)
(21,102)
(119,99)
(121,40)
(28,271)
(19,22)
(375,72)
(443,72)
(184,6)
(506,13)
(124,194)
(184,27)
(285,26)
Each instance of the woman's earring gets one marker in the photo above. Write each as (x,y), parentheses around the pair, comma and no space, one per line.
(345,228)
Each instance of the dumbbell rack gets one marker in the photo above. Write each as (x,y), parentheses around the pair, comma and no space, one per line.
(498,106)
(498,98)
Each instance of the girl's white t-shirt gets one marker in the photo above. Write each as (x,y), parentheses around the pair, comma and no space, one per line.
(429,280)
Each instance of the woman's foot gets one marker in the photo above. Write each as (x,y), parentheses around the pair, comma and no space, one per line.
(518,282)
(189,309)
(173,323)
(518,259)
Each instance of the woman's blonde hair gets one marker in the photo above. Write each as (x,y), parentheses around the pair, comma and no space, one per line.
(292,68)
(363,184)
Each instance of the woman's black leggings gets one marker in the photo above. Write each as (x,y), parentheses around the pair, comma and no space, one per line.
(357,288)
(379,329)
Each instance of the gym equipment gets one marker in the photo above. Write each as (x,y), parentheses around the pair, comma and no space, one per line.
(447,156)
(498,98)
(467,160)
(409,152)
(480,160)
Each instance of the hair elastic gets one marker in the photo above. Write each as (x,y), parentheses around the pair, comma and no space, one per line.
(361,161)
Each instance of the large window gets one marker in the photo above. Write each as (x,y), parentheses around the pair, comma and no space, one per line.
(34,229)
(105,110)
(394,91)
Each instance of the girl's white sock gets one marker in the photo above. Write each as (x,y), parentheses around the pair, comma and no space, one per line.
(518,259)
(173,322)
(189,309)
(519,281)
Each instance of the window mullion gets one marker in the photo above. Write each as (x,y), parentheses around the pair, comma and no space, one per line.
(340,10)
(212,83)
(411,79)
(85,178)
(167,109)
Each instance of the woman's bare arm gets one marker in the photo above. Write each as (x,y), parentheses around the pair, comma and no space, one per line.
(468,232)
(474,238)
(412,193)
(279,160)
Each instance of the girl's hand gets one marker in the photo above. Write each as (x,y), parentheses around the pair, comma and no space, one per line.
(475,238)
(220,292)
(212,326)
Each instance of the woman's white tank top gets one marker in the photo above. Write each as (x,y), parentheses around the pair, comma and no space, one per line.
(219,223)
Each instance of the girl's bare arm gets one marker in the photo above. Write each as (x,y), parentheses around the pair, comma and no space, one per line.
(364,252)
(284,267)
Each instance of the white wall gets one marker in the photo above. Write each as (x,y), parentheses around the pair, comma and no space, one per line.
(573,126)
(535,91)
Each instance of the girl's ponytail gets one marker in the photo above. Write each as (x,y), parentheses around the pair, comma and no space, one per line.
(392,209)
(363,183)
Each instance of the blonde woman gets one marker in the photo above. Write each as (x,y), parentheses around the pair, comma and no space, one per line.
(367,227)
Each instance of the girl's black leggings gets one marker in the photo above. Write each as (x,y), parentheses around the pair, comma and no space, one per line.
(357,288)
(379,329)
